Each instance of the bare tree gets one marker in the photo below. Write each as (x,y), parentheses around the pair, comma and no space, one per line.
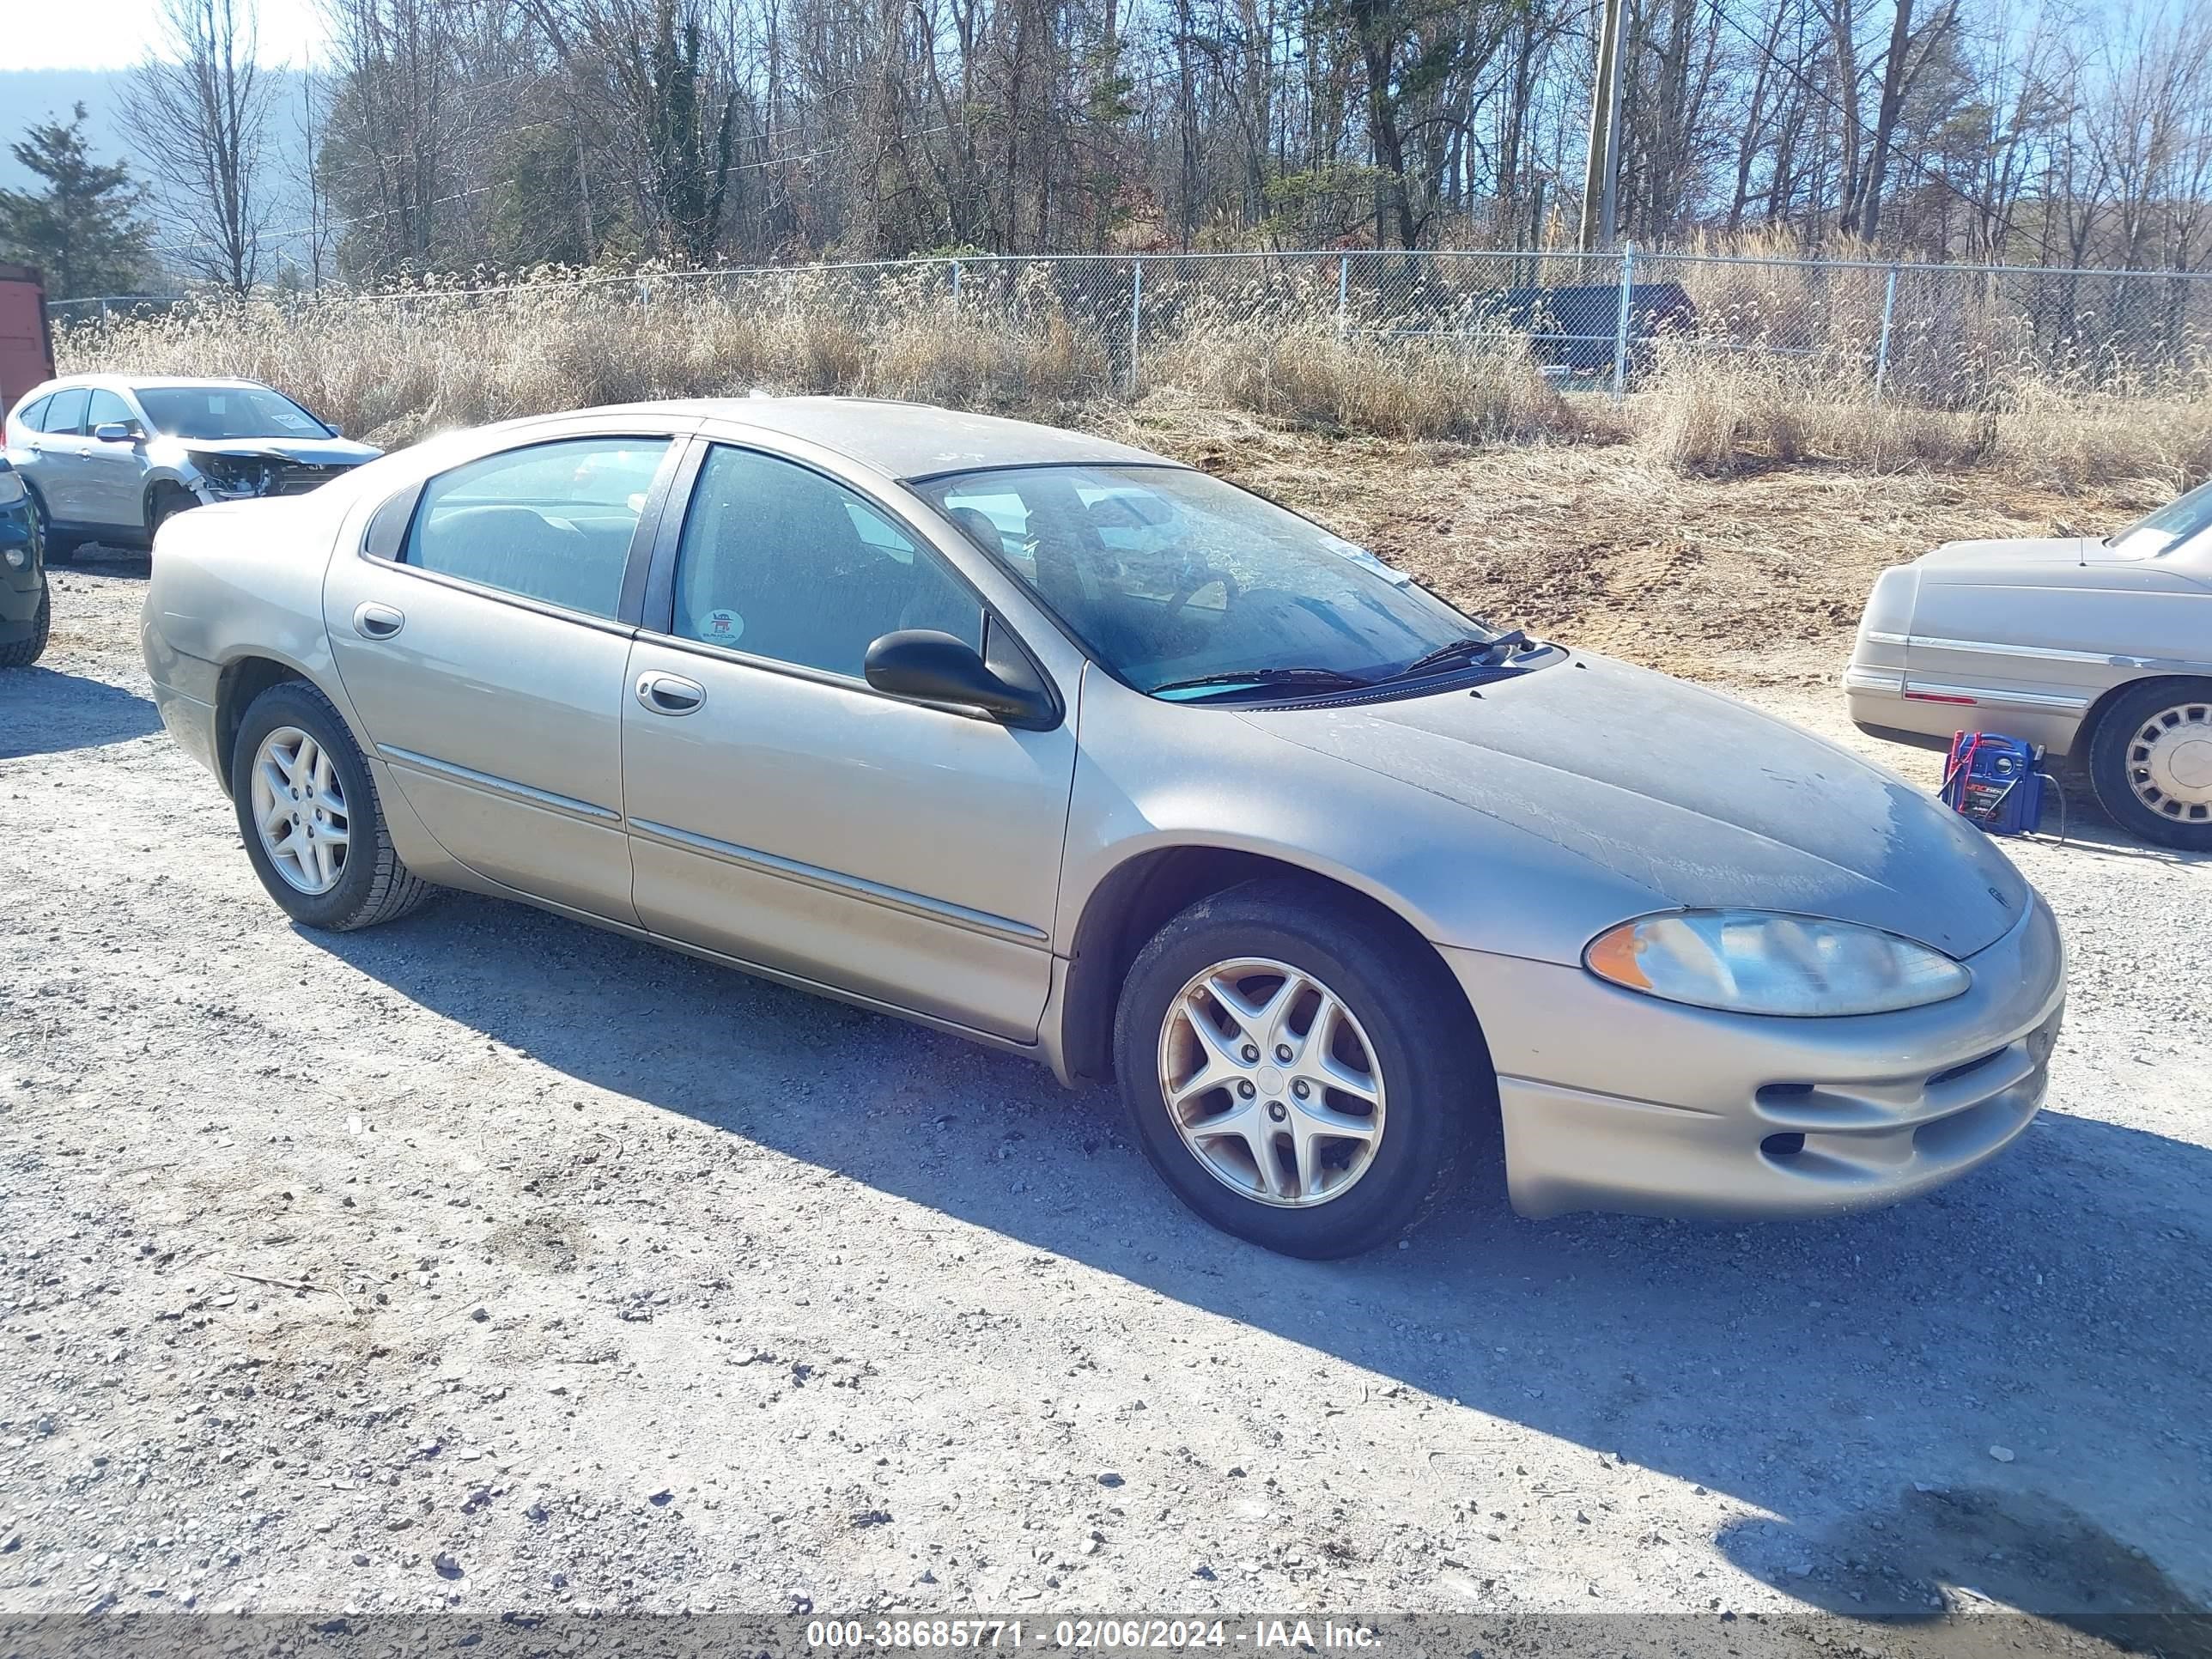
(310,116)
(200,107)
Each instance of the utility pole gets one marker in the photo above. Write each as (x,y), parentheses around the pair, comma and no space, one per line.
(1601,169)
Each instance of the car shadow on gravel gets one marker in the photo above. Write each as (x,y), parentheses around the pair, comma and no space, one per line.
(1931,1551)
(98,559)
(2039,1329)
(2088,830)
(46,712)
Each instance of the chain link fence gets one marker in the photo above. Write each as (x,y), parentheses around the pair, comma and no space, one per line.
(1932,335)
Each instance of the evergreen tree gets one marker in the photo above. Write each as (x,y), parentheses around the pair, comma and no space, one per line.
(83,228)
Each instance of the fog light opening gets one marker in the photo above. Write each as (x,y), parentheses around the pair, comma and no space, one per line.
(1783,1146)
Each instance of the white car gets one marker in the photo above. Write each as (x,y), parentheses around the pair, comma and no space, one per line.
(2098,650)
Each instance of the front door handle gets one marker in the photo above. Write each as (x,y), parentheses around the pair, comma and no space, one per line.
(670,693)
(372,621)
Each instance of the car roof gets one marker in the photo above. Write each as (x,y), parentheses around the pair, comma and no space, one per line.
(907,440)
(143,382)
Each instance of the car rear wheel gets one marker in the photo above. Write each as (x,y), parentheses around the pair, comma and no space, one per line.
(1297,1076)
(2150,762)
(308,811)
(24,653)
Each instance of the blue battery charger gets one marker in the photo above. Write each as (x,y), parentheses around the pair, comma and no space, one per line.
(1994,782)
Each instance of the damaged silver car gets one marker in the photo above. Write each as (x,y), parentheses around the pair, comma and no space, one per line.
(109,458)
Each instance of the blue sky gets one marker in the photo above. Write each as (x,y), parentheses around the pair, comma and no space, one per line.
(116,33)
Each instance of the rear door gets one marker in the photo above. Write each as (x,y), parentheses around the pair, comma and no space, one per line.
(57,451)
(484,636)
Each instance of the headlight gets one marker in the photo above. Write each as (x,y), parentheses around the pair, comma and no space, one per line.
(1750,961)
(11,489)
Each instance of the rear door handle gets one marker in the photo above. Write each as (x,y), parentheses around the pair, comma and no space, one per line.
(670,693)
(372,621)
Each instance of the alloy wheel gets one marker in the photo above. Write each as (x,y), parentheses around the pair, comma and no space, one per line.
(300,810)
(1272,1082)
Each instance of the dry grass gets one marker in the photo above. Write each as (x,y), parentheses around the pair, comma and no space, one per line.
(1703,415)
(1304,373)
(1725,522)
(394,368)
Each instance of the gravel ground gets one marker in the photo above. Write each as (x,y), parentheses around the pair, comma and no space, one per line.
(488,1261)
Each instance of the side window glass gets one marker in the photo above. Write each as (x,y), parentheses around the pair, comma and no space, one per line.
(65,413)
(779,562)
(105,407)
(35,416)
(551,522)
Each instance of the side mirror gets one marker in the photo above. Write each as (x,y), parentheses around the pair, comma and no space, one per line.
(934,667)
(116,432)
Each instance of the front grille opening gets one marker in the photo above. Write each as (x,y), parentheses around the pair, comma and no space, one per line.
(1783,1146)
(1771,1092)
(1964,1066)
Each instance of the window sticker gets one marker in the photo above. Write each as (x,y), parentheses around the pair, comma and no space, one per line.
(1361,557)
(722,627)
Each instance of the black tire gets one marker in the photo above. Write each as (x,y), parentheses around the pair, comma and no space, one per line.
(54,547)
(24,653)
(373,886)
(1437,1085)
(2114,752)
(166,500)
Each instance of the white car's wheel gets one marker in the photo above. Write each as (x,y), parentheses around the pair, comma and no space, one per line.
(2151,763)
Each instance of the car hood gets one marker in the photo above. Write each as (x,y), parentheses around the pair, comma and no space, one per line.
(2024,550)
(1688,793)
(319,451)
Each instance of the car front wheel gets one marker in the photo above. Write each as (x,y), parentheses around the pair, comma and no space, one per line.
(26,651)
(167,501)
(1299,1076)
(2151,763)
(308,811)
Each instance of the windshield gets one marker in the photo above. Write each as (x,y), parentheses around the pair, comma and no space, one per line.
(2179,521)
(1169,577)
(217,412)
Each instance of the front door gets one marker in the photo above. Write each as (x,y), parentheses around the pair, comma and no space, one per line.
(114,471)
(487,659)
(784,813)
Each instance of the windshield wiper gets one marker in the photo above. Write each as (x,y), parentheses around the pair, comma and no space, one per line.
(1453,653)
(1326,678)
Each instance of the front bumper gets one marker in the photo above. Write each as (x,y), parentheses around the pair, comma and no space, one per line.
(20,586)
(1616,1101)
